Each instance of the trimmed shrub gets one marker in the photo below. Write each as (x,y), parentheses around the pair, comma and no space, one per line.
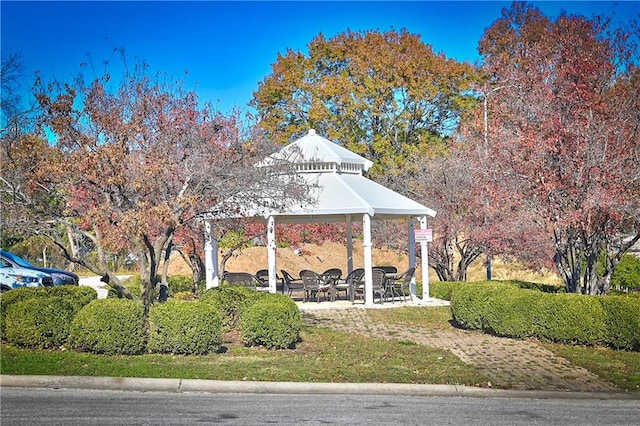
(39,322)
(565,318)
(443,289)
(512,312)
(8,298)
(571,318)
(109,326)
(273,321)
(185,295)
(184,328)
(469,303)
(626,276)
(180,283)
(622,322)
(230,301)
(77,296)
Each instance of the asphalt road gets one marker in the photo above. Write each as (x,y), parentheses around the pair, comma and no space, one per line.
(36,406)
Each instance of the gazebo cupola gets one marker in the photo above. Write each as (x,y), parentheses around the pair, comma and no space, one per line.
(319,155)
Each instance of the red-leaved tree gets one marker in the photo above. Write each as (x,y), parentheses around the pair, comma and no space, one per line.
(563,125)
(133,162)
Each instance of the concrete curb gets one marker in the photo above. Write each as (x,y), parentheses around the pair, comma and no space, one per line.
(219,386)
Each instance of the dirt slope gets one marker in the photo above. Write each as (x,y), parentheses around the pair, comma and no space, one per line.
(330,255)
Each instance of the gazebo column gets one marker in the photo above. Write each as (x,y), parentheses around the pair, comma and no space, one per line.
(271,253)
(425,261)
(412,254)
(210,257)
(349,245)
(368,264)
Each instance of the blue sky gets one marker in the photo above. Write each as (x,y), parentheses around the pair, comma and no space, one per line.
(228,47)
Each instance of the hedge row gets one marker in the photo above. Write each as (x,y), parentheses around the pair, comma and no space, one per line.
(35,319)
(566,318)
(76,296)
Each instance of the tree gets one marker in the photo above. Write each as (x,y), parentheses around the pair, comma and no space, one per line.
(135,160)
(382,95)
(11,77)
(565,134)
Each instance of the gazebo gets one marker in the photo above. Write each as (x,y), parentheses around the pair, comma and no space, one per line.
(342,194)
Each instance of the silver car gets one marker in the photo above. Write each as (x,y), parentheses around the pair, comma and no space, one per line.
(11,277)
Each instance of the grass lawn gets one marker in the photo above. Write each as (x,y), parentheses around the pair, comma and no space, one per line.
(321,356)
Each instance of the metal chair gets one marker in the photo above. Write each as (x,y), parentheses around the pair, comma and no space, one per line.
(314,284)
(346,284)
(291,283)
(378,281)
(332,276)
(263,275)
(387,269)
(245,279)
(402,284)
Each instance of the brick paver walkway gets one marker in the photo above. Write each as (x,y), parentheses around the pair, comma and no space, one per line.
(508,363)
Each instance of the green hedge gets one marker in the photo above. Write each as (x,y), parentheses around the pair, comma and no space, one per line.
(78,296)
(570,318)
(469,303)
(626,276)
(273,321)
(442,289)
(230,301)
(180,283)
(622,322)
(184,328)
(511,312)
(109,326)
(40,322)
(566,318)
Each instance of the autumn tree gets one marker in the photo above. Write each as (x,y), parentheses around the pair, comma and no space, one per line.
(382,95)
(564,134)
(132,161)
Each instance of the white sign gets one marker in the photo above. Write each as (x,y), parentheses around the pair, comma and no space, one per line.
(423,235)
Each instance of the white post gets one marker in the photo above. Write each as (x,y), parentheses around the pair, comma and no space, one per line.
(349,245)
(425,261)
(368,264)
(271,253)
(412,255)
(210,257)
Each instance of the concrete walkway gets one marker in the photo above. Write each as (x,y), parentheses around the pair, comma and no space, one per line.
(508,363)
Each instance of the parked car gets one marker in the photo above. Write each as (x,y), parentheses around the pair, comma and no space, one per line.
(60,277)
(11,277)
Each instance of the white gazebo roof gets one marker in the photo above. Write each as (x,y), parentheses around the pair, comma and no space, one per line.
(340,188)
